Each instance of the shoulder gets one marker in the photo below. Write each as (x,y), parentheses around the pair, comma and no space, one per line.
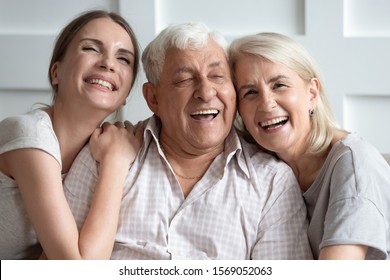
(267,168)
(260,158)
(358,151)
(83,171)
(32,124)
(32,118)
(84,160)
(31,130)
(355,162)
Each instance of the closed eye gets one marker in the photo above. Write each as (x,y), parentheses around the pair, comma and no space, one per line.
(89,49)
(218,78)
(279,85)
(184,82)
(248,93)
(125,60)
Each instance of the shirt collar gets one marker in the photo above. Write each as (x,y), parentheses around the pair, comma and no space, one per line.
(233,146)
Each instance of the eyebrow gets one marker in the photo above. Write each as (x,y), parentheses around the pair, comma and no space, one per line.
(246,87)
(187,69)
(271,80)
(100,43)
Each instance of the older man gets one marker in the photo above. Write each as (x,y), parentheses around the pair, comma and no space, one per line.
(196,190)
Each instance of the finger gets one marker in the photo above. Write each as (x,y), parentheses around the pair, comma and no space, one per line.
(119,124)
(127,123)
(139,131)
(129,126)
(105,125)
(96,133)
(139,126)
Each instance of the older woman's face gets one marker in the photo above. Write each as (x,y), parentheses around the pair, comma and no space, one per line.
(274,103)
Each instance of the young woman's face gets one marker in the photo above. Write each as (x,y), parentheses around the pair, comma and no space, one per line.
(274,103)
(97,69)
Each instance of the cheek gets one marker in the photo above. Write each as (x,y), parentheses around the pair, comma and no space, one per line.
(64,76)
(246,111)
(300,120)
(126,78)
(126,75)
(129,73)
(227,94)
(231,104)
(170,109)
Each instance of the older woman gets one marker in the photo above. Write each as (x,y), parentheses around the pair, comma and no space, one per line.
(345,181)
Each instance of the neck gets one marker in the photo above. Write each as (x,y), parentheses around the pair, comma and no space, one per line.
(306,167)
(73,130)
(189,165)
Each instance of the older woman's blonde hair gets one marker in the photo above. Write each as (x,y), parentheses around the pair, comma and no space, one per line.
(281,49)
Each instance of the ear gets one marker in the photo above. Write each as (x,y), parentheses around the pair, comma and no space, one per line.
(54,74)
(149,92)
(314,92)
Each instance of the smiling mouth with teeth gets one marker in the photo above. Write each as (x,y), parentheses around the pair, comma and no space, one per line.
(205,114)
(274,123)
(102,83)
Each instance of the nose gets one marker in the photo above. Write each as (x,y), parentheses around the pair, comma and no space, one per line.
(107,62)
(267,102)
(205,90)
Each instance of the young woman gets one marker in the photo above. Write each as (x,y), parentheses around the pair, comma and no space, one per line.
(93,67)
(345,181)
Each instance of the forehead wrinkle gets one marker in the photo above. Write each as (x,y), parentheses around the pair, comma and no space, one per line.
(277,77)
(193,71)
(270,81)
(215,64)
(247,86)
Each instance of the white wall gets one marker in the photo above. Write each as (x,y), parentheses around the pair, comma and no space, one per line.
(349,39)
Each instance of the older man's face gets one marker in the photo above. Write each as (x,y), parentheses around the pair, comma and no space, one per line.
(196,98)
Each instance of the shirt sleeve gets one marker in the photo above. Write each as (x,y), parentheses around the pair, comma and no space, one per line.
(354,215)
(282,231)
(79,185)
(29,131)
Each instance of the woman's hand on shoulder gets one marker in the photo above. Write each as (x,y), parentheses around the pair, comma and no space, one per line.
(119,142)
